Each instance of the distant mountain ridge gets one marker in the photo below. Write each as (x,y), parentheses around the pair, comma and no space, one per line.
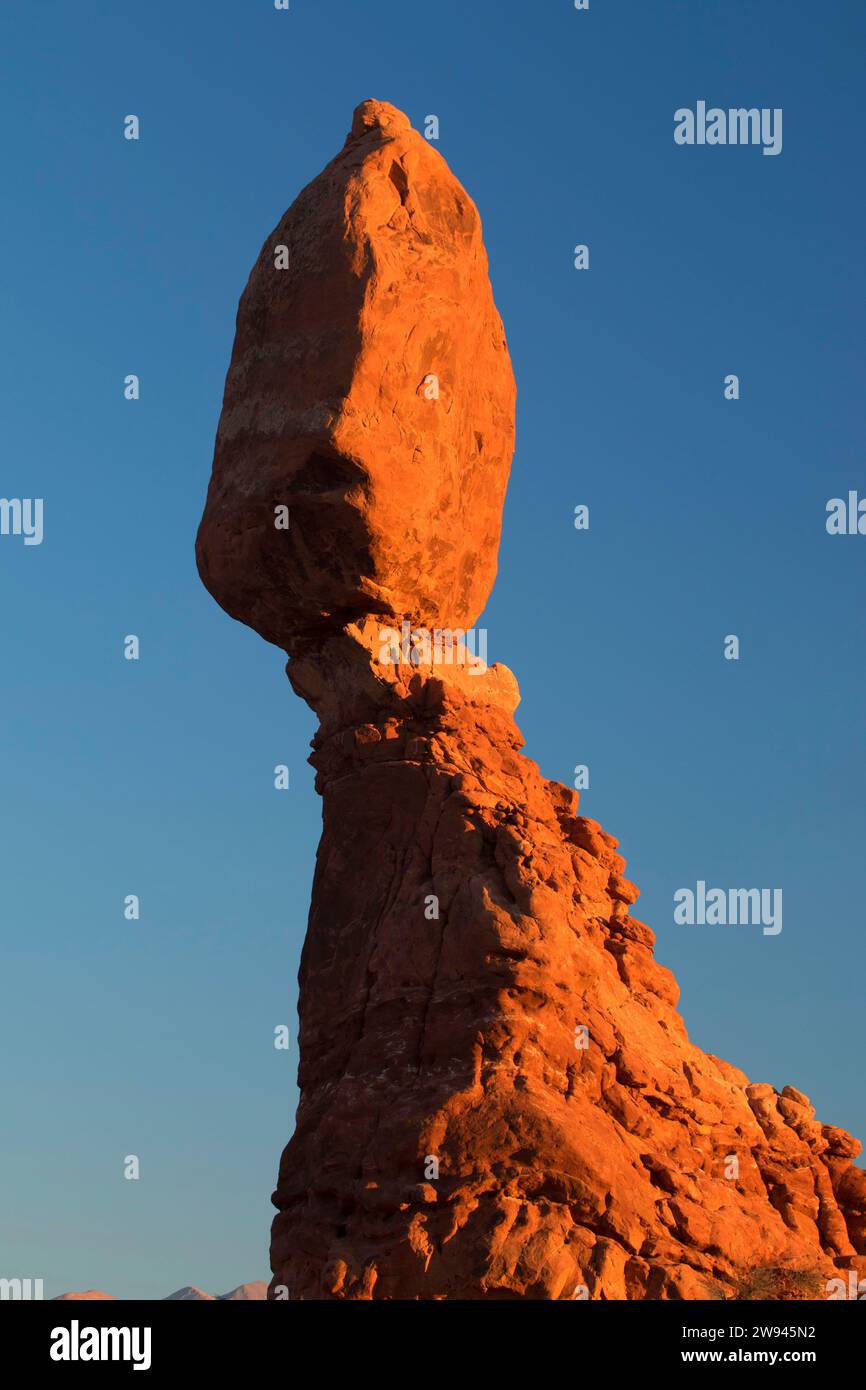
(244,1293)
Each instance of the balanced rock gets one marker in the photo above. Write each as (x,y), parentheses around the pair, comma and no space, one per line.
(499,1099)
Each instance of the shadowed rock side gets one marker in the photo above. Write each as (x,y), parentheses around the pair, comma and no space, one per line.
(476,998)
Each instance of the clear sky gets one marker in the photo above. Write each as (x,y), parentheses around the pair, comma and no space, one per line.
(707,518)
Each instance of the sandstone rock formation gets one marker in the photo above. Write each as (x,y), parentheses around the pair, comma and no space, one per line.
(370,391)
(498,1096)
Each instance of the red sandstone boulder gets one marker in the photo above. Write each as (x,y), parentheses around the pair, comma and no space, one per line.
(370,391)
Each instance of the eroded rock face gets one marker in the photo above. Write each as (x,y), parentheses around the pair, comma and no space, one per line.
(498,1096)
(525,1038)
(370,391)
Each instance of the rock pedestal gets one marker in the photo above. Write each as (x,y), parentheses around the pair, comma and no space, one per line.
(498,1096)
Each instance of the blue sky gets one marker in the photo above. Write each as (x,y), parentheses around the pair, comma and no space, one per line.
(706,518)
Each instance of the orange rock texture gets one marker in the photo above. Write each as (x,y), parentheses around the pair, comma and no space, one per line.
(498,1096)
(370,391)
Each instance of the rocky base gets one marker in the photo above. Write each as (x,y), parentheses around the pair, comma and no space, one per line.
(498,1096)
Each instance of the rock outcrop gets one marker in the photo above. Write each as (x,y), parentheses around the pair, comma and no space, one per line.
(498,1096)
